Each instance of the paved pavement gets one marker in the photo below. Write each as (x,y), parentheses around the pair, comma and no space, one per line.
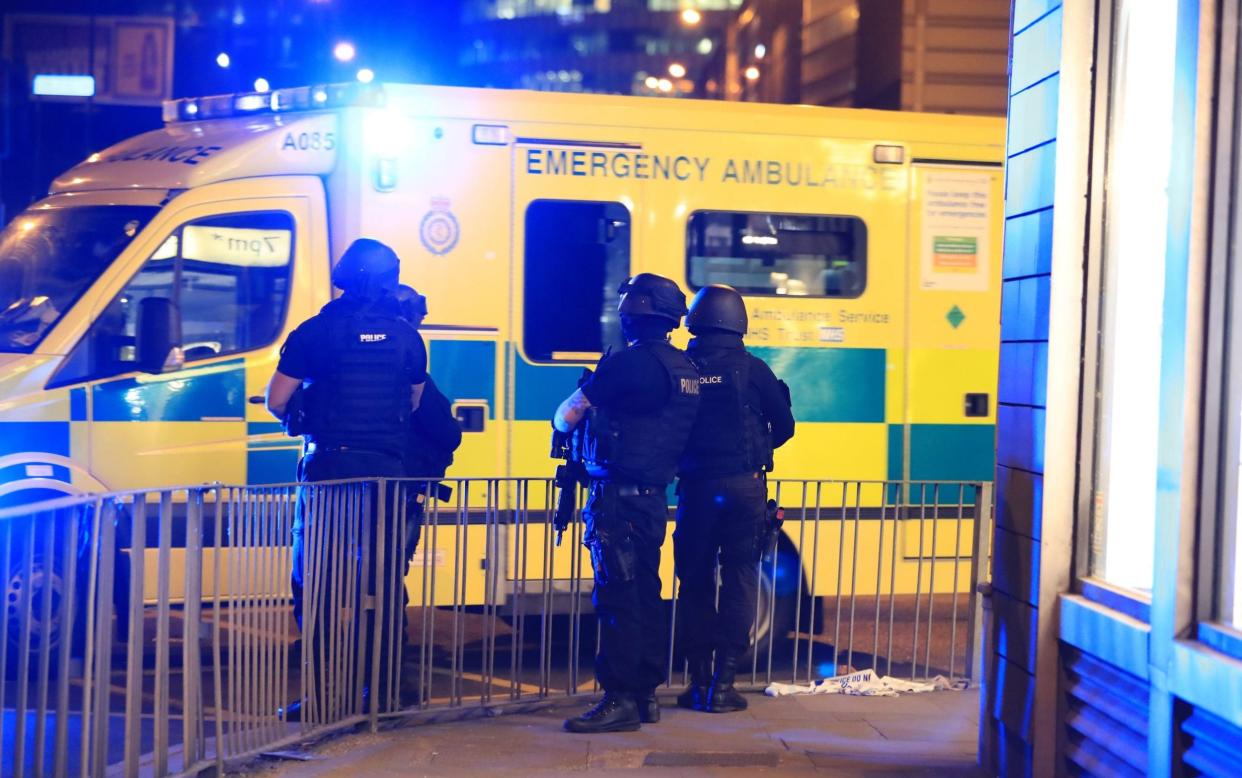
(924,734)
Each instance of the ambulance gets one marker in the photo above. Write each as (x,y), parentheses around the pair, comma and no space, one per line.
(866,244)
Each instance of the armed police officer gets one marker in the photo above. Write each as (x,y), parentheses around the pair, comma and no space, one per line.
(433,436)
(744,413)
(362,369)
(638,409)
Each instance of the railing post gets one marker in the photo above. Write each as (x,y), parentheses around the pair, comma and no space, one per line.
(374,575)
(980,563)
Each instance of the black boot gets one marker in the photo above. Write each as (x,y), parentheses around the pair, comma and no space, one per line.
(648,707)
(695,695)
(722,697)
(614,713)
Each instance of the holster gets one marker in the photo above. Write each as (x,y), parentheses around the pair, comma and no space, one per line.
(613,559)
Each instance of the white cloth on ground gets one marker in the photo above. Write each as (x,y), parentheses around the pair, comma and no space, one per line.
(865,684)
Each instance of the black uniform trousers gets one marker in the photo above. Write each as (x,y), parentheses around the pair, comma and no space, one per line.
(718,517)
(325,582)
(625,528)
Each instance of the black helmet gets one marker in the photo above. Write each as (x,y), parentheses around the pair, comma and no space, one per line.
(719,307)
(368,268)
(412,304)
(648,294)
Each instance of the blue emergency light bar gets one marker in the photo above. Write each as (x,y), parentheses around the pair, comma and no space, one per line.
(302,98)
(63,86)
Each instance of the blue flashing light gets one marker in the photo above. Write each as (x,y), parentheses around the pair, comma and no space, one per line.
(261,85)
(64,86)
(252,103)
(344,51)
(366,75)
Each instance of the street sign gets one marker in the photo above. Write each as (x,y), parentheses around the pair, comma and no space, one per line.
(131,56)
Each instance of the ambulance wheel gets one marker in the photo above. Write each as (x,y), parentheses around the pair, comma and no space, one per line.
(777,610)
(44,590)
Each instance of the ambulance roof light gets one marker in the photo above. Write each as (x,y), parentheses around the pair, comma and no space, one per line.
(303,98)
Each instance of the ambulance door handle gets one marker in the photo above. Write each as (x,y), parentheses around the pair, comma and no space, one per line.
(256,399)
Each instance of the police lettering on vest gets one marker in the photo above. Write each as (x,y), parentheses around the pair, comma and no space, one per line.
(730,434)
(643,448)
(363,401)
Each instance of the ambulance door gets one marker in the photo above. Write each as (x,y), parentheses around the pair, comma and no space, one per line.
(571,252)
(234,268)
(953,328)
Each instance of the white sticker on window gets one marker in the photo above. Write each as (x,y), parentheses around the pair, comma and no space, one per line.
(956,224)
(236,246)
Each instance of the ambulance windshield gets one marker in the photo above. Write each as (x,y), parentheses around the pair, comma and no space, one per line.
(50,257)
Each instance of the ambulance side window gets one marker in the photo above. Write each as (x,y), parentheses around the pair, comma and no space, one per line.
(229,276)
(577,255)
(777,253)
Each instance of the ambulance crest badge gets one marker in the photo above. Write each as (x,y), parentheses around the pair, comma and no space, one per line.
(439,230)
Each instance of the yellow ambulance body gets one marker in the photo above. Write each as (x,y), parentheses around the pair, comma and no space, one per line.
(867,245)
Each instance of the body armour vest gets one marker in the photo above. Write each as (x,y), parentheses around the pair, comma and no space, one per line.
(644,448)
(730,434)
(363,400)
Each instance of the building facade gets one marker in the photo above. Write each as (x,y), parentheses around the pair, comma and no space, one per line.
(643,47)
(946,56)
(1116,601)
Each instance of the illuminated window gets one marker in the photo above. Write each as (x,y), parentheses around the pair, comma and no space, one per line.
(777,254)
(577,256)
(227,275)
(1132,295)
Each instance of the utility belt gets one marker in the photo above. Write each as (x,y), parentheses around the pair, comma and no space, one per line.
(631,490)
(328,448)
(758,475)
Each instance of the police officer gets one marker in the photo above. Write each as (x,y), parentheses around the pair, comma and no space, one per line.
(363,370)
(434,434)
(638,408)
(744,412)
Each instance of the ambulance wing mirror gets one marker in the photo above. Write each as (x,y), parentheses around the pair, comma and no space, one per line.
(158,344)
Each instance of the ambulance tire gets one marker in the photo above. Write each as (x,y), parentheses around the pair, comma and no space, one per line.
(26,580)
(48,569)
(777,611)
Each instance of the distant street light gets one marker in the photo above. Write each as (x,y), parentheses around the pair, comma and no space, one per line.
(705,46)
(760,50)
(677,70)
(366,75)
(691,17)
(344,51)
(261,85)
(223,59)
(752,73)
(652,82)
(665,85)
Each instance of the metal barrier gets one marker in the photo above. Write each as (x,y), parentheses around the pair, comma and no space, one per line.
(154,631)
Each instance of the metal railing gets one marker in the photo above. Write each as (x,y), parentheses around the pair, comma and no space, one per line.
(154,631)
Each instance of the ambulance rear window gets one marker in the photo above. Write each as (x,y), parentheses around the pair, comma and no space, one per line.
(792,255)
(577,255)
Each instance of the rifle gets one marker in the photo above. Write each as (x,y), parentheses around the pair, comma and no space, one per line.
(567,446)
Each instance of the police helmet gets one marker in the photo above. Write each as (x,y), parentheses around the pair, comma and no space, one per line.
(719,307)
(412,305)
(368,268)
(648,294)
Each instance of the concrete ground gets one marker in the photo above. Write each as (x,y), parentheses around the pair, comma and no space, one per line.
(918,734)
